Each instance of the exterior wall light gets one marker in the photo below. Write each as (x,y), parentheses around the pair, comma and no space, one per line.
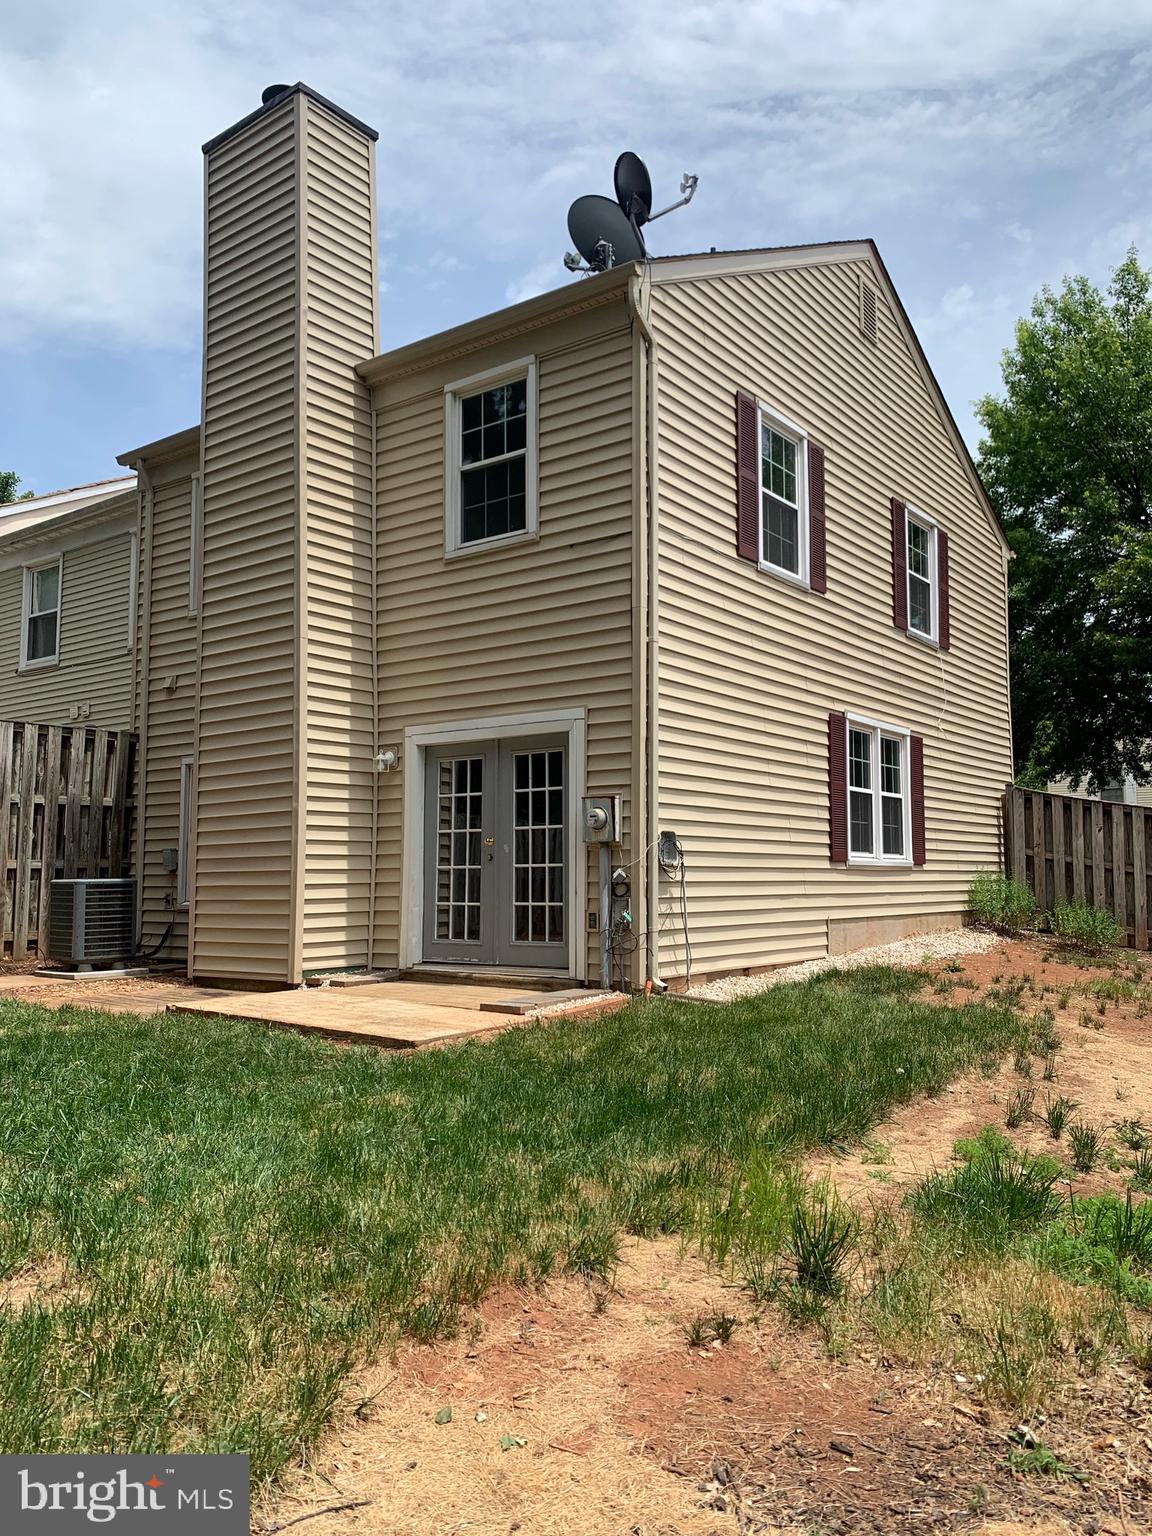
(386,760)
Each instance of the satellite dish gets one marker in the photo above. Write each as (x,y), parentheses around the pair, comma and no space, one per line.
(633,187)
(603,233)
(270,93)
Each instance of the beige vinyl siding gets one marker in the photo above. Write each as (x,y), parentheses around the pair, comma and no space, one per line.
(340,331)
(541,624)
(246,711)
(168,696)
(750,666)
(94,672)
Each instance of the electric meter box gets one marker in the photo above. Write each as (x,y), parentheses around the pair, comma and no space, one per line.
(600,818)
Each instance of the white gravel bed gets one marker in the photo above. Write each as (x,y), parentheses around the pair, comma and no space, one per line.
(925,946)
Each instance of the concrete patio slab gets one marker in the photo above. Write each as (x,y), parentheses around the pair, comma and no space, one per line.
(376,1015)
(392,1015)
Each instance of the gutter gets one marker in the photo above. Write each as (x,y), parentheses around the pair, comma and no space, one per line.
(651,795)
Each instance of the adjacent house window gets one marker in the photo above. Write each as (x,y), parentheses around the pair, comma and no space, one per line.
(184,841)
(490,484)
(879,803)
(40,630)
(923,585)
(783,516)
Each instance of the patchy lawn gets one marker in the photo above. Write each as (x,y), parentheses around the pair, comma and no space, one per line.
(956,1336)
(205,1226)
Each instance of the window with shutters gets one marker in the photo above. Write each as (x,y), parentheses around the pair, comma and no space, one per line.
(783,498)
(40,626)
(490,459)
(879,798)
(922,576)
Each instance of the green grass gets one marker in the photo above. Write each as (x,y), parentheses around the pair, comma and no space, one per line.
(243,1214)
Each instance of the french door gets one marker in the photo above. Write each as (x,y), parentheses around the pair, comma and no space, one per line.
(496,854)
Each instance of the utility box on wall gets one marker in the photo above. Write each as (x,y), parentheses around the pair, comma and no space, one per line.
(600,818)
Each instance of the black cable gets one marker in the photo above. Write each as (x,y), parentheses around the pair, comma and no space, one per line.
(148,954)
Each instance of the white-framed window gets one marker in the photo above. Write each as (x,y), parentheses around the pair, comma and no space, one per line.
(195,549)
(490,456)
(879,799)
(923,575)
(184,837)
(783,497)
(40,622)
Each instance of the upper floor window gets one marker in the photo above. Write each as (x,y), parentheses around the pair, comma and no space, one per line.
(40,630)
(783,518)
(490,475)
(922,583)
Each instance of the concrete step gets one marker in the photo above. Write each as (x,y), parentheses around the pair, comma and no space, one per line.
(487,976)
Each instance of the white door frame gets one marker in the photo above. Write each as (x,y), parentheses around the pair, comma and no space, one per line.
(417,739)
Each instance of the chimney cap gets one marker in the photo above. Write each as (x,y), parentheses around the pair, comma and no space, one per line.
(273,98)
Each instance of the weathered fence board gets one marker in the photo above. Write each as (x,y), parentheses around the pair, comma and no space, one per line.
(65,813)
(1067,848)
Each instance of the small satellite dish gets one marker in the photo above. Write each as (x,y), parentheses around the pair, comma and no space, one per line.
(633,187)
(603,233)
(270,93)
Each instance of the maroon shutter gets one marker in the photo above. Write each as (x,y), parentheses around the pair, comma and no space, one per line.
(838,788)
(942,576)
(899,565)
(916,786)
(817,527)
(747,480)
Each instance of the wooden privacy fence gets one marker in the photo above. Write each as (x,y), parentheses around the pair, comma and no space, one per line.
(1069,849)
(66,791)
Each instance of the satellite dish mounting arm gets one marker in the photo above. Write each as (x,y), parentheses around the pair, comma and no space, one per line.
(688,188)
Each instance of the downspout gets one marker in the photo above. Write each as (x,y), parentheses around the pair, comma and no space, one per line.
(373,852)
(652,721)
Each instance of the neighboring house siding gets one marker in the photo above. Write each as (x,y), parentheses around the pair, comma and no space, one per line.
(247,706)
(168,638)
(543,624)
(340,330)
(750,666)
(94,673)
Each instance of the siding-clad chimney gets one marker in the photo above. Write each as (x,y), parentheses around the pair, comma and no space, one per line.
(284,718)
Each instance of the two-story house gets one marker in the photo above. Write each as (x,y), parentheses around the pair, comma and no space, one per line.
(699,533)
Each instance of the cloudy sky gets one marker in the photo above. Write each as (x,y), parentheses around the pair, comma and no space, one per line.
(989,146)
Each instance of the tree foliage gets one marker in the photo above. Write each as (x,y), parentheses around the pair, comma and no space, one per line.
(1067,459)
(9,480)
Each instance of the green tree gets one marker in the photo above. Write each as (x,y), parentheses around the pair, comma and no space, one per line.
(9,480)
(1067,459)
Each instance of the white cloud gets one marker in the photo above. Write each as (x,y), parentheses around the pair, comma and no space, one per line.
(951,132)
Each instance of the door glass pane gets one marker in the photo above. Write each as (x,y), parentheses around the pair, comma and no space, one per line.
(538,848)
(459,815)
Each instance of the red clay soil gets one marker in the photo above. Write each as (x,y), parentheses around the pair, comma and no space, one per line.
(613,1426)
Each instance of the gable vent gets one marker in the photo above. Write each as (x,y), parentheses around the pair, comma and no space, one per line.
(868,311)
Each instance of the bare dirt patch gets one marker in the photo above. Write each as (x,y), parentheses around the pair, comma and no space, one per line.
(615,1427)
(1106,1070)
(43,1284)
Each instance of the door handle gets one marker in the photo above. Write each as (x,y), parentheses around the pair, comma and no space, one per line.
(489,843)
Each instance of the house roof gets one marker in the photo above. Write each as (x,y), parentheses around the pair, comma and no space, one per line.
(171,447)
(18,515)
(65,518)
